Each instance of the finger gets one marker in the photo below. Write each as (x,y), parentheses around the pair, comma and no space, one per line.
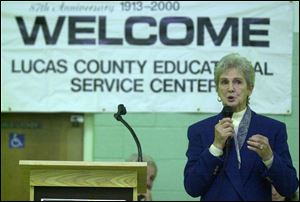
(256,145)
(253,143)
(262,140)
(224,127)
(258,138)
(253,148)
(224,120)
(228,130)
(227,124)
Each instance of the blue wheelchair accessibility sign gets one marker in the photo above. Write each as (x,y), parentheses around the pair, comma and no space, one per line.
(16,140)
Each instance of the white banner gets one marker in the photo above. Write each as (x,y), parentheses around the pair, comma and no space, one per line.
(151,56)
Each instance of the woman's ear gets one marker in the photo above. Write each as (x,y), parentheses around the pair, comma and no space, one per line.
(250,90)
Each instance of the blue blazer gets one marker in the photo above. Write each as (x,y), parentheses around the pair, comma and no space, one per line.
(205,176)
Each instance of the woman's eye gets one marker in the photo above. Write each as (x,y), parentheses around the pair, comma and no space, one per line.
(224,82)
(238,81)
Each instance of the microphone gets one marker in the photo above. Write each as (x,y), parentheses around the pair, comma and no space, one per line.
(118,117)
(227,113)
(121,111)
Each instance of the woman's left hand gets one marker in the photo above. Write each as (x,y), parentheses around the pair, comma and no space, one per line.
(260,144)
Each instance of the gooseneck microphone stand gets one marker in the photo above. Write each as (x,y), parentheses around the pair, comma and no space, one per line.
(118,117)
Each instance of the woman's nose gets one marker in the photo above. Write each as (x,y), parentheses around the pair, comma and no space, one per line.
(230,87)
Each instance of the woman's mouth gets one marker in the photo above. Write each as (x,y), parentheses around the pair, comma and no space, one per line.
(230,98)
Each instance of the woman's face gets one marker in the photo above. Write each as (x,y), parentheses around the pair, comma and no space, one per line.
(233,89)
(150,176)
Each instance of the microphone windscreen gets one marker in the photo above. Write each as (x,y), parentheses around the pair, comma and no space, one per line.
(227,111)
(121,109)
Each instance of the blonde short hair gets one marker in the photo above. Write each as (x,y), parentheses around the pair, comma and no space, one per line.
(146,158)
(234,60)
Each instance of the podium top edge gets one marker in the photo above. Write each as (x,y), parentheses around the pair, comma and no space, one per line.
(81,163)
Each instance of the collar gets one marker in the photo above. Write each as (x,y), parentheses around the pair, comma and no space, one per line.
(237,116)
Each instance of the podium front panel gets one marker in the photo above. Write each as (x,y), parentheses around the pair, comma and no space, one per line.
(82,193)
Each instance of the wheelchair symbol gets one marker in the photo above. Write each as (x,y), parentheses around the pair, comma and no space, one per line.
(16,140)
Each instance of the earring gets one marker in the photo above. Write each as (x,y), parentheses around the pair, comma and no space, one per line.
(219,99)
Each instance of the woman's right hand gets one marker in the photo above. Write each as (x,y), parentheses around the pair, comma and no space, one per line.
(223,130)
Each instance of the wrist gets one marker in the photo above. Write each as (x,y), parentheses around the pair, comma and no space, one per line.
(219,146)
(215,151)
(268,158)
(268,163)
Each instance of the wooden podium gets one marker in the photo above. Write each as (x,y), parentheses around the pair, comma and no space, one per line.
(80,180)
